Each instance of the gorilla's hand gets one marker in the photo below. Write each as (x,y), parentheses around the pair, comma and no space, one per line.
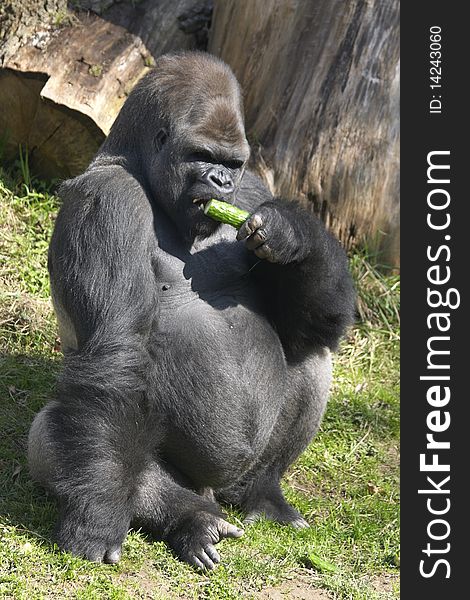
(79,533)
(275,232)
(193,540)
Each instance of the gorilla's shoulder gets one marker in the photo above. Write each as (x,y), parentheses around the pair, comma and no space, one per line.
(109,197)
(106,185)
(100,181)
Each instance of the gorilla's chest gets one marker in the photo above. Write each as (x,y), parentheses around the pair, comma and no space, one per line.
(208,303)
(216,355)
(211,335)
(209,278)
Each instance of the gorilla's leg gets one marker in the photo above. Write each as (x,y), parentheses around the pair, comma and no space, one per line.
(72,455)
(41,459)
(100,493)
(190,523)
(258,492)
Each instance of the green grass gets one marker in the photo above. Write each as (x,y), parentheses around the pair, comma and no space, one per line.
(346,483)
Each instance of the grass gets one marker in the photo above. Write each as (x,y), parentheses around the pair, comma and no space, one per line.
(346,483)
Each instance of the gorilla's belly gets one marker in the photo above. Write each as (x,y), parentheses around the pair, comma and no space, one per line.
(222,377)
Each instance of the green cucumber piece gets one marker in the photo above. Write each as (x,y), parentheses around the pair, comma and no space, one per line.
(226,213)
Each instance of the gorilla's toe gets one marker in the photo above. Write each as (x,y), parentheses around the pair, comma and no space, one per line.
(113,556)
(226,529)
(253,517)
(277,510)
(206,558)
(299,523)
(194,539)
(95,541)
(92,551)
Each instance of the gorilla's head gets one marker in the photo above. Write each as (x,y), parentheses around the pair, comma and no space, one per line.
(182,131)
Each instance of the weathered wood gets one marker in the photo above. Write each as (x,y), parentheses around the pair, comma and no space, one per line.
(321,93)
(65,78)
(21,20)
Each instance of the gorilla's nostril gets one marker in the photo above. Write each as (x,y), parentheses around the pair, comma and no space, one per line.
(217,180)
(220,179)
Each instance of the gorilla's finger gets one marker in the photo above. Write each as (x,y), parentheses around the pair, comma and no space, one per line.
(206,560)
(196,562)
(212,553)
(256,239)
(249,226)
(226,529)
(244,231)
(265,252)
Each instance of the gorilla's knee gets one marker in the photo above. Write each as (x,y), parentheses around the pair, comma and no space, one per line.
(41,459)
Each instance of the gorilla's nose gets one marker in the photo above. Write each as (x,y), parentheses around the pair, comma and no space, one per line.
(220,179)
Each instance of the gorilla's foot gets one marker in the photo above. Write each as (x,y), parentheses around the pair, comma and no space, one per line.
(278,510)
(194,539)
(97,542)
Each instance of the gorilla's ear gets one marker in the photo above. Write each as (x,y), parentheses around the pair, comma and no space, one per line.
(160,139)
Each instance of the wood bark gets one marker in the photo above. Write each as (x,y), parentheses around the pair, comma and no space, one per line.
(66,73)
(320,81)
(321,90)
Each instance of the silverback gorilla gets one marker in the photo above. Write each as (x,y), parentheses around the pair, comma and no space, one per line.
(196,360)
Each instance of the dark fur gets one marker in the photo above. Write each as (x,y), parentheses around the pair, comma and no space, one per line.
(191,364)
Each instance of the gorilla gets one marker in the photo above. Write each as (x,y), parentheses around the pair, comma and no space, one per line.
(196,359)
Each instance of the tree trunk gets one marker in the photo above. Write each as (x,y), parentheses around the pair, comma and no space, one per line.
(65,74)
(320,81)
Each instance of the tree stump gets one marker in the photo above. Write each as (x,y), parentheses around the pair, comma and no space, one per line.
(321,92)
(65,74)
(320,82)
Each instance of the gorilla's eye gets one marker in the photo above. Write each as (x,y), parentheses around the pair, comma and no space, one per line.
(233,164)
(204,157)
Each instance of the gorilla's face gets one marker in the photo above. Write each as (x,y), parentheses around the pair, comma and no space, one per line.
(189,169)
(181,132)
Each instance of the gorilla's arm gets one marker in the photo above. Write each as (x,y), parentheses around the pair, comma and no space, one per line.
(100,257)
(101,280)
(304,275)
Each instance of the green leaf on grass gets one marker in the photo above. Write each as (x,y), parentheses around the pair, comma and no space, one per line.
(321,565)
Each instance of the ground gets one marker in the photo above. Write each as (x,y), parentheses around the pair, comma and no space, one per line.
(346,483)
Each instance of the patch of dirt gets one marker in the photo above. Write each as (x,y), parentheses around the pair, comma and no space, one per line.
(386,583)
(144,585)
(25,315)
(20,311)
(300,589)
(392,460)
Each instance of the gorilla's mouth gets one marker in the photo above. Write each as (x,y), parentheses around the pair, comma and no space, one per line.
(201,202)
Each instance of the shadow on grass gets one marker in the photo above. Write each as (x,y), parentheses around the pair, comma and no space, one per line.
(26,384)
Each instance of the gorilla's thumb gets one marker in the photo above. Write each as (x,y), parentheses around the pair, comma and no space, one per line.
(226,529)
